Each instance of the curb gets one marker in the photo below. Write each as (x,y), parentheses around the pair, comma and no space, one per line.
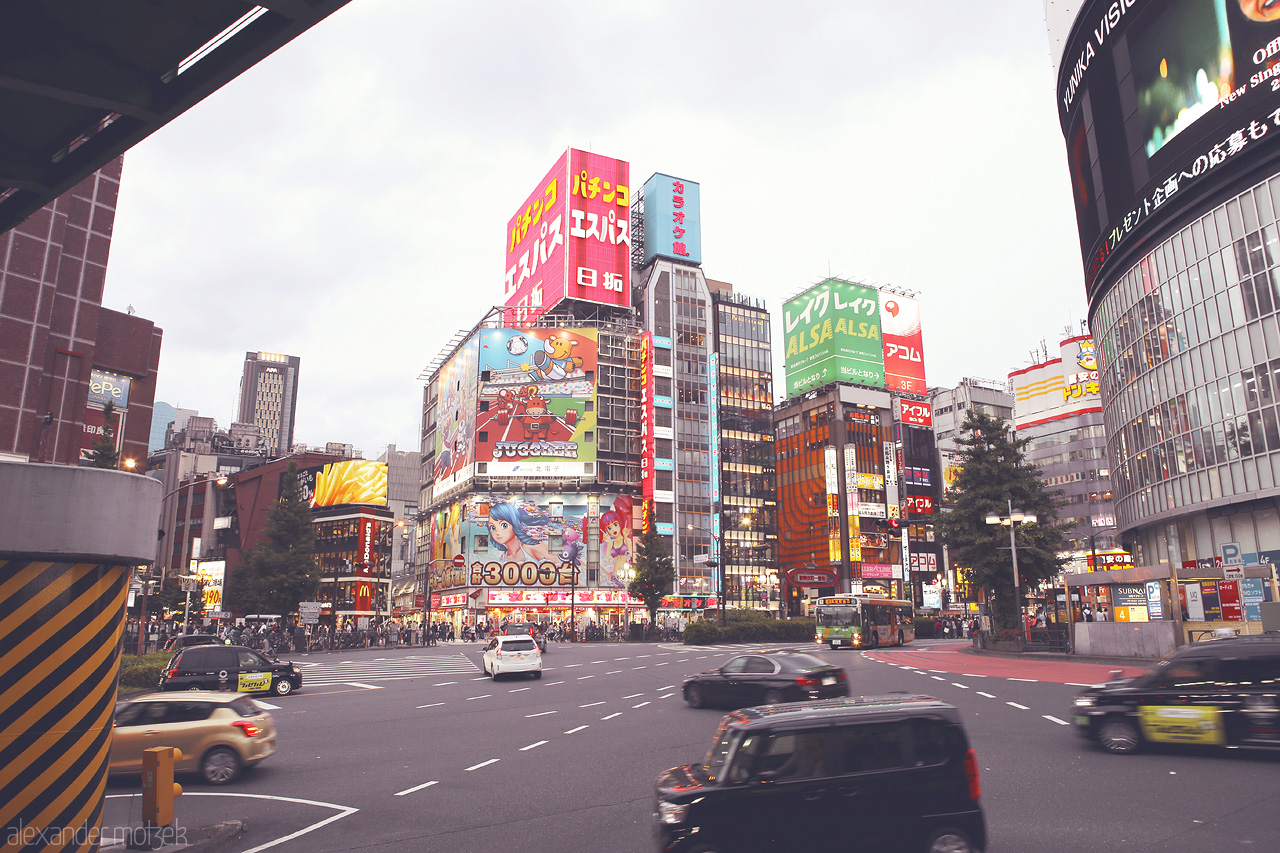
(1059,656)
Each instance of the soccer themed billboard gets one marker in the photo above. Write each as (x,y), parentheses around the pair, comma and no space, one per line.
(571,238)
(1058,388)
(1160,102)
(536,408)
(833,333)
(672,219)
(355,481)
(457,387)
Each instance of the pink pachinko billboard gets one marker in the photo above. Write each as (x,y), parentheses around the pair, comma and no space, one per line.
(571,238)
(903,344)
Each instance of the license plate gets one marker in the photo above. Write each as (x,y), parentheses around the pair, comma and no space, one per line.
(829,680)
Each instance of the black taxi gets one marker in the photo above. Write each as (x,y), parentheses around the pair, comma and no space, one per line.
(236,668)
(1223,692)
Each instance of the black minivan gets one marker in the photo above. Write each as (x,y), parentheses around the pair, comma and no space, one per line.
(1223,692)
(866,773)
(229,668)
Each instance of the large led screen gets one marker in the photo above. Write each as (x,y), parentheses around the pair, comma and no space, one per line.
(355,481)
(833,333)
(457,387)
(1160,101)
(537,396)
(571,238)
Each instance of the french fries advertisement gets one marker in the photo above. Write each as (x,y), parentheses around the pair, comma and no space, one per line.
(357,481)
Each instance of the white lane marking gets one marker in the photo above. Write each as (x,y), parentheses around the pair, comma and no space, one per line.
(444,683)
(481,678)
(681,660)
(666,696)
(1029,680)
(532,746)
(641,705)
(597,661)
(613,672)
(641,657)
(540,714)
(937,670)
(343,811)
(1054,719)
(975,675)
(664,663)
(572,665)
(365,686)
(484,696)
(347,661)
(432,705)
(667,687)
(1019,707)
(416,788)
(591,704)
(958,684)
(633,696)
(578,729)
(552,683)
(267,705)
(937,678)
(482,764)
(518,689)
(1075,684)
(582,677)
(382,658)
(641,666)
(988,695)
(700,657)
(663,654)
(611,716)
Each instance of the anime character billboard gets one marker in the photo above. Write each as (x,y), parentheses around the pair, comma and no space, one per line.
(533,416)
(457,384)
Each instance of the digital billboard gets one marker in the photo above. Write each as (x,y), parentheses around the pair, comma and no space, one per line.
(355,481)
(1160,101)
(833,333)
(903,344)
(571,238)
(457,384)
(1058,388)
(536,409)
(672,219)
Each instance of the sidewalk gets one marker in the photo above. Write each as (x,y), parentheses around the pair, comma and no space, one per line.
(1057,656)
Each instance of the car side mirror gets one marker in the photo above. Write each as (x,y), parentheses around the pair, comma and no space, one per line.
(768,777)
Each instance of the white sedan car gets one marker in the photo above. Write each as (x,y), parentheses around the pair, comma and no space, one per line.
(517,653)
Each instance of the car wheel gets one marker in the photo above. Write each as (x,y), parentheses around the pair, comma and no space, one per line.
(1120,736)
(220,765)
(949,840)
(875,638)
(537,674)
(773,697)
(901,641)
(283,687)
(693,695)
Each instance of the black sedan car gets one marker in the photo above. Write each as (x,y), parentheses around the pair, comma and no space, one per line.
(784,675)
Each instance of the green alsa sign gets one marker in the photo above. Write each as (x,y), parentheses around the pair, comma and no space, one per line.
(833,333)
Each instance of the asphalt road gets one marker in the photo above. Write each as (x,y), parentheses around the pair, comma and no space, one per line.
(417,749)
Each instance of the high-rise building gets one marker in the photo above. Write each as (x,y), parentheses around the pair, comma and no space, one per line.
(949,408)
(269,398)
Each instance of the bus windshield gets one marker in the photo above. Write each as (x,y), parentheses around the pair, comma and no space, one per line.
(838,616)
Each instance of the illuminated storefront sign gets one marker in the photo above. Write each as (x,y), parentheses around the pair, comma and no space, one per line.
(903,344)
(110,388)
(648,443)
(212,575)
(915,412)
(713,426)
(919,504)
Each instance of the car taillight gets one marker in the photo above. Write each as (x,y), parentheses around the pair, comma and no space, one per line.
(173,673)
(840,676)
(249,729)
(806,681)
(498,651)
(971,772)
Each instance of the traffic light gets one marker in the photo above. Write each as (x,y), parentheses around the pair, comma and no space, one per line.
(158,788)
(793,601)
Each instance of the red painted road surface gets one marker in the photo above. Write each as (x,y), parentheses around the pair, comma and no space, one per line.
(947,657)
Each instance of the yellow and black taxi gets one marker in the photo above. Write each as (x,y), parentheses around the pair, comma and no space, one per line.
(1222,692)
(235,668)
(219,734)
(867,773)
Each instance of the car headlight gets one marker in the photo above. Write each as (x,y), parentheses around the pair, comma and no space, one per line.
(1086,701)
(672,813)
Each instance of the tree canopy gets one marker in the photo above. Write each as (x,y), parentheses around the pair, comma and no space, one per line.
(103,453)
(654,568)
(994,473)
(281,571)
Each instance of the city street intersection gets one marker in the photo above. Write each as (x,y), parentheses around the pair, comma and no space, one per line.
(417,749)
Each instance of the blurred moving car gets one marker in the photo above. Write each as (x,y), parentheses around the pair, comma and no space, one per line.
(1222,692)
(235,668)
(182,641)
(219,733)
(511,654)
(782,675)
(881,773)
(528,629)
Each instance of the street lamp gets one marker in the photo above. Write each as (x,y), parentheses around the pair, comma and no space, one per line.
(1015,517)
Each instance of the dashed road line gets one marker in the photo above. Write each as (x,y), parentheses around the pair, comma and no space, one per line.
(988,695)
(666,696)
(664,663)
(1028,680)
(641,666)
(668,687)
(591,704)
(572,665)
(444,683)
(417,788)
(484,696)
(961,686)
(582,677)
(611,716)
(432,705)
(633,696)
(539,714)
(482,764)
(641,705)
(578,729)
(613,672)
(518,689)
(1019,707)
(365,686)
(552,683)
(532,746)
(1054,719)
(937,678)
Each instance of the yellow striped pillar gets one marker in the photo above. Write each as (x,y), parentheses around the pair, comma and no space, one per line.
(68,546)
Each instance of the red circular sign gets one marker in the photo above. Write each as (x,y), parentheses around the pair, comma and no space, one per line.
(459,561)
(803,576)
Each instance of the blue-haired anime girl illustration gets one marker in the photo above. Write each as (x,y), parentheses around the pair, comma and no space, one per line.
(509,529)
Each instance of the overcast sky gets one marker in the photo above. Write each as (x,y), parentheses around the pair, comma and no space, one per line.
(346,200)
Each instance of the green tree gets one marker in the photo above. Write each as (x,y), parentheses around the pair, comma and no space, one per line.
(993,472)
(654,568)
(280,572)
(103,453)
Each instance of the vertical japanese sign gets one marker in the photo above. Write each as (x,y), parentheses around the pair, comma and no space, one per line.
(571,238)
(672,219)
(713,424)
(364,564)
(833,333)
(903,344)
(831,472)
(648,446)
